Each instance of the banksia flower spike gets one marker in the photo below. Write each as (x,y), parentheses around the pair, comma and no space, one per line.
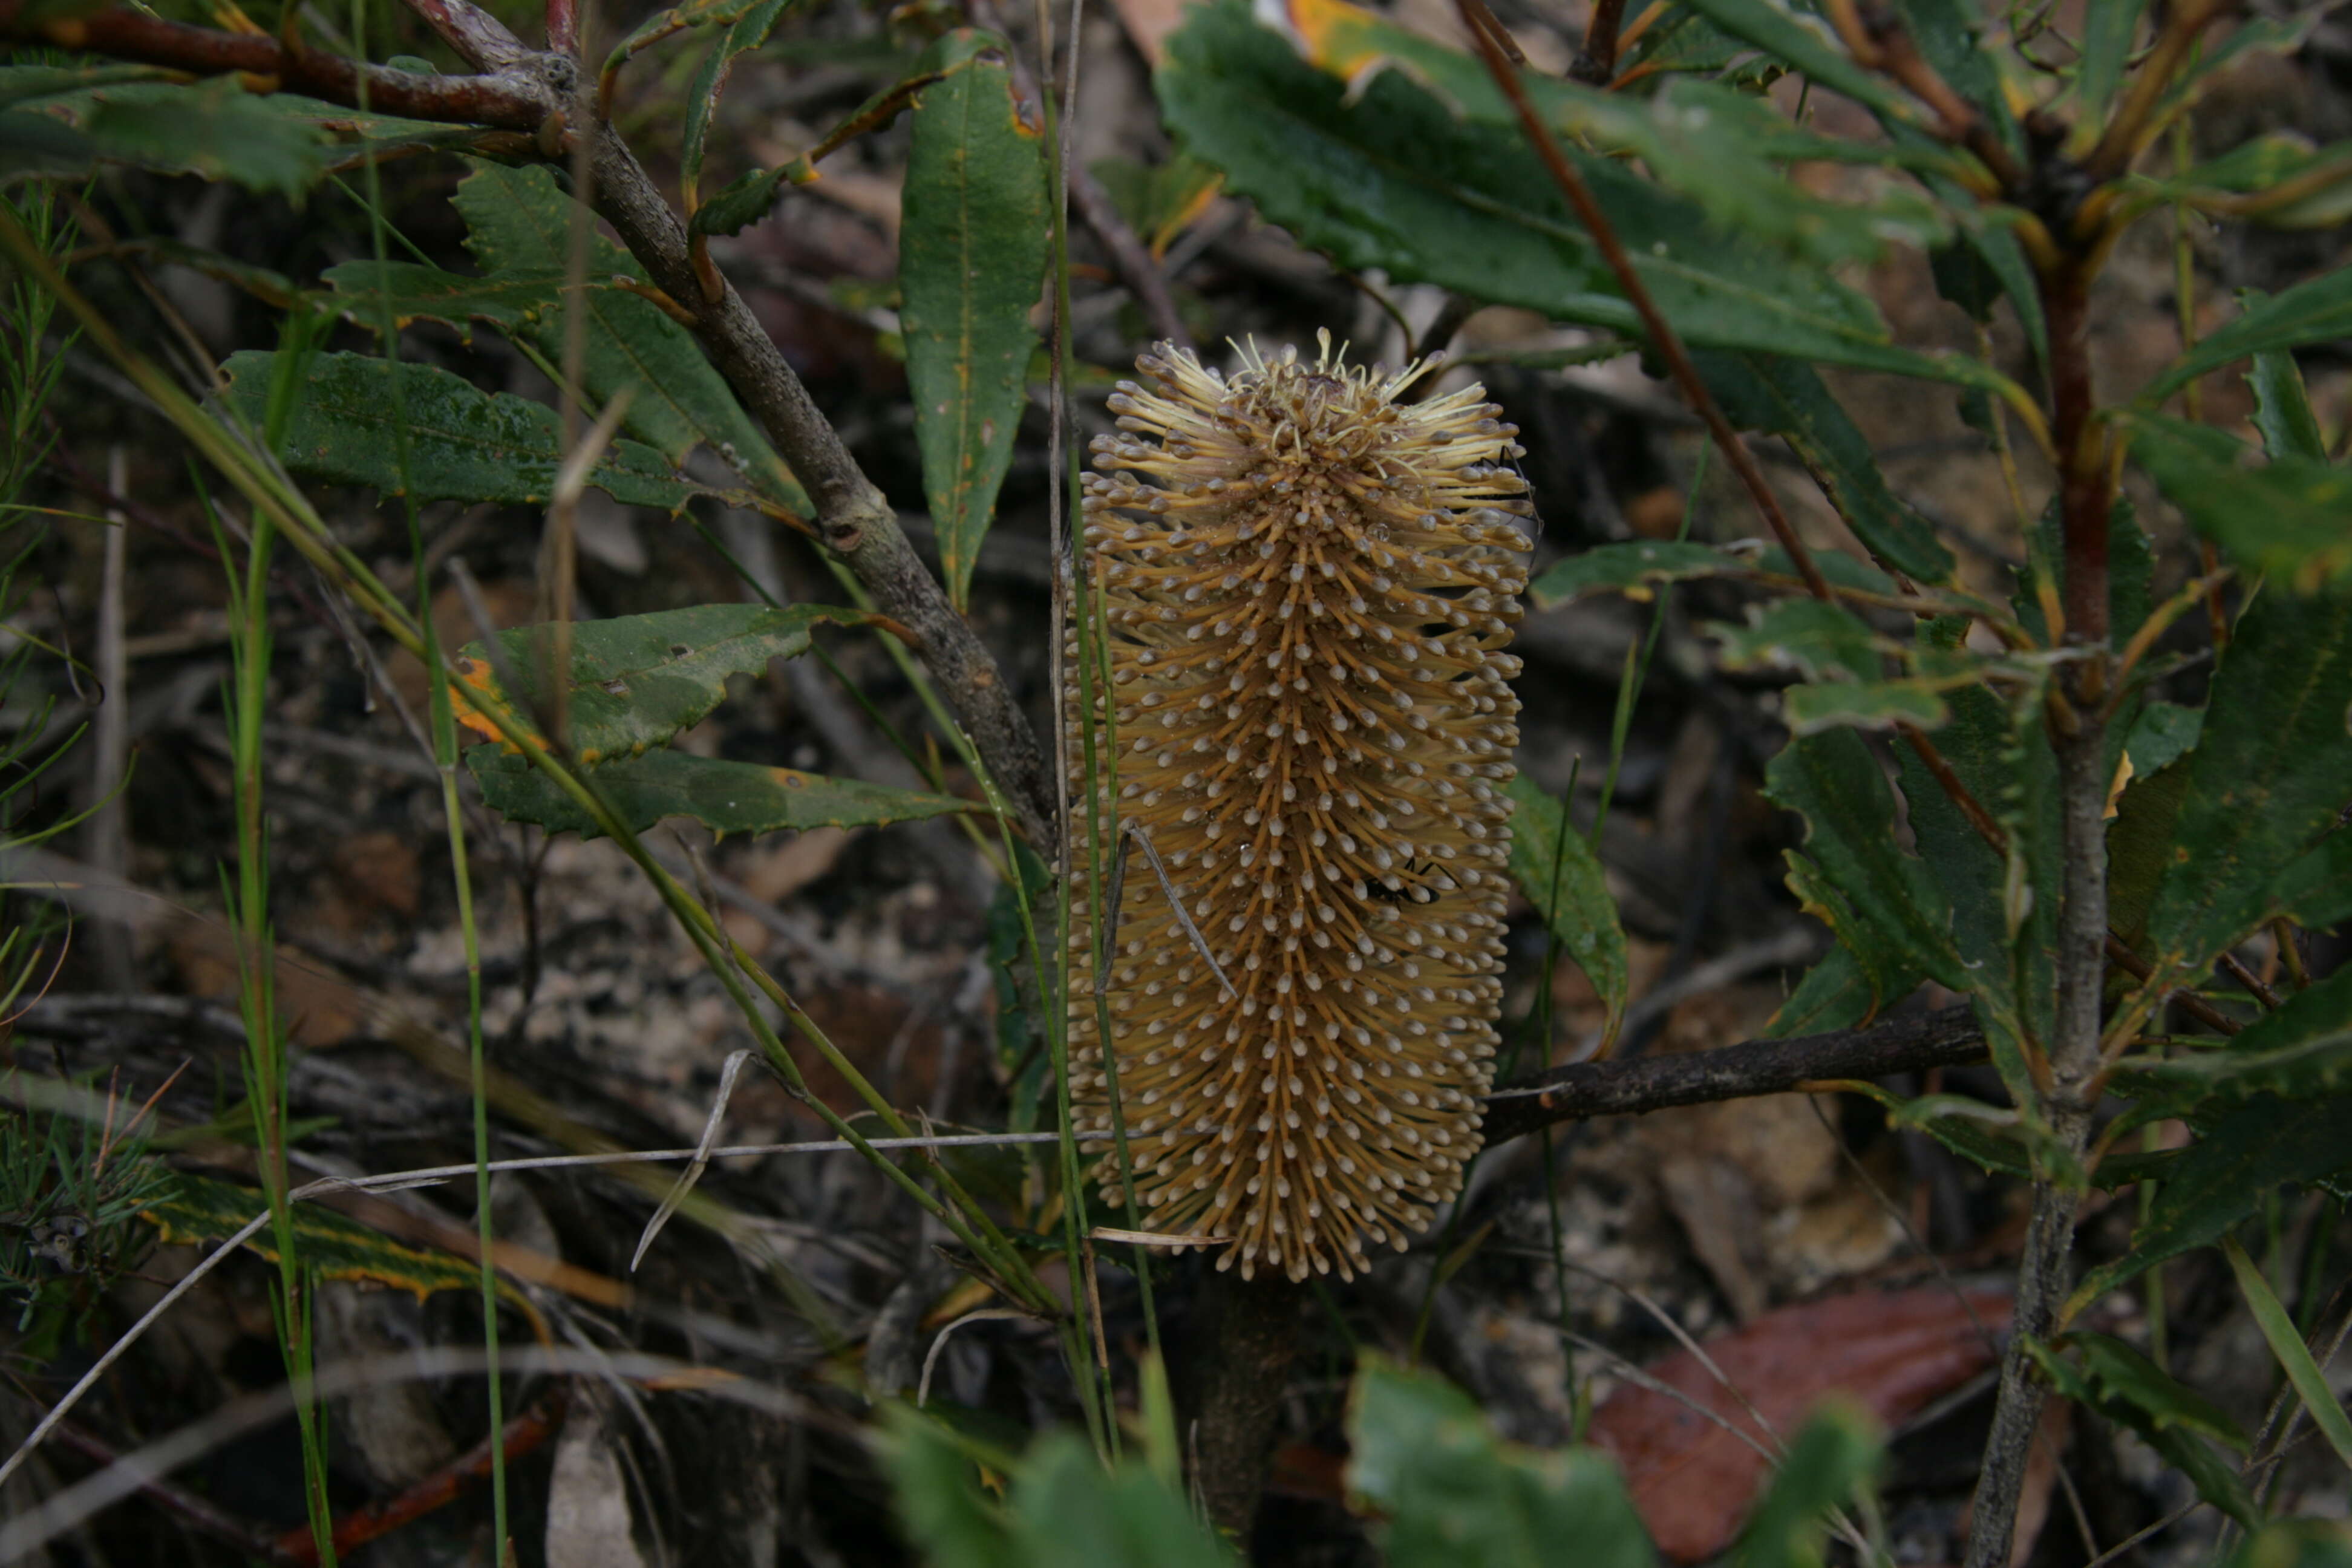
(1306,588)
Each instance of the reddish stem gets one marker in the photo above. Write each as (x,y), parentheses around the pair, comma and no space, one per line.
(1596,62)
(563,26)
(473,32)
(2082,451)
(444,1486)
(125,35)
(1654,322)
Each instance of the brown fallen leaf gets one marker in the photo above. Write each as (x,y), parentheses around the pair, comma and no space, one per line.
(1890,1353)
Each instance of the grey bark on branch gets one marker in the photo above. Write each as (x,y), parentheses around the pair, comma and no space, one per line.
(1948,1036)
(852,517)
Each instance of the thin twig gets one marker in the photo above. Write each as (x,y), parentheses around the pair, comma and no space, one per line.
(1596,62)
(1661,335)
(701,1161)
(1129,258)
(511,103)
(1581,1091)
(1141,835)
(196,1512)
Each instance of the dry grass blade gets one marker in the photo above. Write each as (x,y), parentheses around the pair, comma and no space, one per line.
(701,1161)
(931,1356)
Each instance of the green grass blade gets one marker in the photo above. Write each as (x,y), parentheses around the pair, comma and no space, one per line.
(2271,1315)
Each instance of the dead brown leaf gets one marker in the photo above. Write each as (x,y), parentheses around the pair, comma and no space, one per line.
(1892,1353)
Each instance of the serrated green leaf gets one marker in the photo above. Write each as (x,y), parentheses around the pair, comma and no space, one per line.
(1787,398)
(2315,889)
(214,129)
(516,300)
(2284,517)
(2271,773)
(748,198)
(1687,42)
(1725,150)
(1950,34)
(2139,848)
(1833,1457)
(2312,312)
(1981,1133)
(35,144)
(34,84)
(1839,569)
(464,444)
(2215,1478)
(2004,919)
(2162,734)
(639,681)
(2221,1178)
(724,797)
(1806,44)
(1871,705)
(2122,1373)
(1392,179)
(2131,562)
(1835,994)
(1423,1453)
(1637,569)
(1563,878)
(2278,180)
(1884,904)
(1819,641)
(2282,410)
(972,258)
(747,30)
(1992,264)
(1841,657)
(519,220)
(2300,1050)
(667,23)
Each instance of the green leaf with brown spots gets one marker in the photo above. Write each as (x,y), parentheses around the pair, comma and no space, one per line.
(639,681)
(519,220)
(2270,778)
(1636,568)
(972,258)
(724,797)
(2285,517)
(1855,876)
(464,444)
(517,300)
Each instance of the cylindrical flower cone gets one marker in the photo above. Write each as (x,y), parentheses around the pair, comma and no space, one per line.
(1306,588)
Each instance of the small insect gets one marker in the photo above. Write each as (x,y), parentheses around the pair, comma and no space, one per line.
(1408,890)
